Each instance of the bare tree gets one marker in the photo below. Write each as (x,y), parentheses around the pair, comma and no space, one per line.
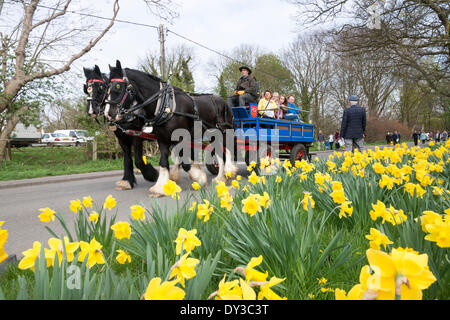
(309,61)
(180,61)
(413,33)
(44,40)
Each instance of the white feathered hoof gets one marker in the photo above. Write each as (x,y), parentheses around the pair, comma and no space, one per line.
(158,189)
(123,185)
(198,175)
(220,178)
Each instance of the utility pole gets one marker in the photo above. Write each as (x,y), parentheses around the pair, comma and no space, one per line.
(163,53)
(1,6)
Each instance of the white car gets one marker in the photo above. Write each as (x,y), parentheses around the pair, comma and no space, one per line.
(81,136)
(58,139)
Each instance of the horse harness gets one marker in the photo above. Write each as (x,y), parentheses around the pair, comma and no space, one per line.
(165,108)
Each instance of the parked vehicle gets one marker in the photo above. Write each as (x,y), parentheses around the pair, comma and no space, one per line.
(25,136)
(81,136)
(58,139)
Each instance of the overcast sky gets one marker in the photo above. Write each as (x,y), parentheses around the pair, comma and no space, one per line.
(220,25)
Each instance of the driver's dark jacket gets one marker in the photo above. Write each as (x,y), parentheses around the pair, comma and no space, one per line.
(248,84)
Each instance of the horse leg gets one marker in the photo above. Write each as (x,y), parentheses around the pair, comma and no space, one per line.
(148,171)
(194,170)
(128,179)
(174,173)
(158,189)
(221,175)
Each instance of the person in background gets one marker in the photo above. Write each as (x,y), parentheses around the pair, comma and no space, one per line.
(437,136)
(423,137)
(388,137)
(267,106)
(430,136)
(320,140)
(416,137)
(353,126)
(444,136)
(336,140)
(396,137)
(331,140)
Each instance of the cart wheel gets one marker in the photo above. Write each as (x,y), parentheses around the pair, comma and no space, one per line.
(298,152)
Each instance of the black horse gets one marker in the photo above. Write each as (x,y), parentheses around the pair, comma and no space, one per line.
(96,87)
(129,87)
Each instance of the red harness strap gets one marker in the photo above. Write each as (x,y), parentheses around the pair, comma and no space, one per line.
(116,80)
(141,134)
(95,80)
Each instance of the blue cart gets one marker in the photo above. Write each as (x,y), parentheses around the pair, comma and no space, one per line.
(255,135)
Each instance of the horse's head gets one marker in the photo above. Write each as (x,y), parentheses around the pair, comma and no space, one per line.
(119,95)
(95,87)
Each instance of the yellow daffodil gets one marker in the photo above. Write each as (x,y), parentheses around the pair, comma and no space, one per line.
(229,290)
(163,291)
(187,239)
(308,201)
(195,185)
(253,275)
(278,179)
(235,184)
(123,257)
(221,189)
(439,232)
(226,202)
(122,230)
(253,178)
(87,202)
(377,239)
(93,252)
(429,217)
(184,269)
(3,239)
(338,196)
(30,256)
(266,292)
(56,249)
(94,217)
(247,292)
(109,203)
(137,212)
(204,210)
(47,214)
(172,189)
(75,205)
(345,208)
(251,205)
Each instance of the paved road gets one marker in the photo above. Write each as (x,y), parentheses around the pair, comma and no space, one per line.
(20,204)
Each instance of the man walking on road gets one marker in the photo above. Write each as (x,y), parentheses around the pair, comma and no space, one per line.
(353,125)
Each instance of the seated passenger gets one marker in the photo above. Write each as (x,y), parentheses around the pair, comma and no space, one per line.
(283,107)
(266,106)
(293,110)
(276,98)
(245,91)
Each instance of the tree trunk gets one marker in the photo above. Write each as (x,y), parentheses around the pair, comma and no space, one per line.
(5,134)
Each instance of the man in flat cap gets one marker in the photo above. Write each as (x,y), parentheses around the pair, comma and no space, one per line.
(353,125)
(245,91)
